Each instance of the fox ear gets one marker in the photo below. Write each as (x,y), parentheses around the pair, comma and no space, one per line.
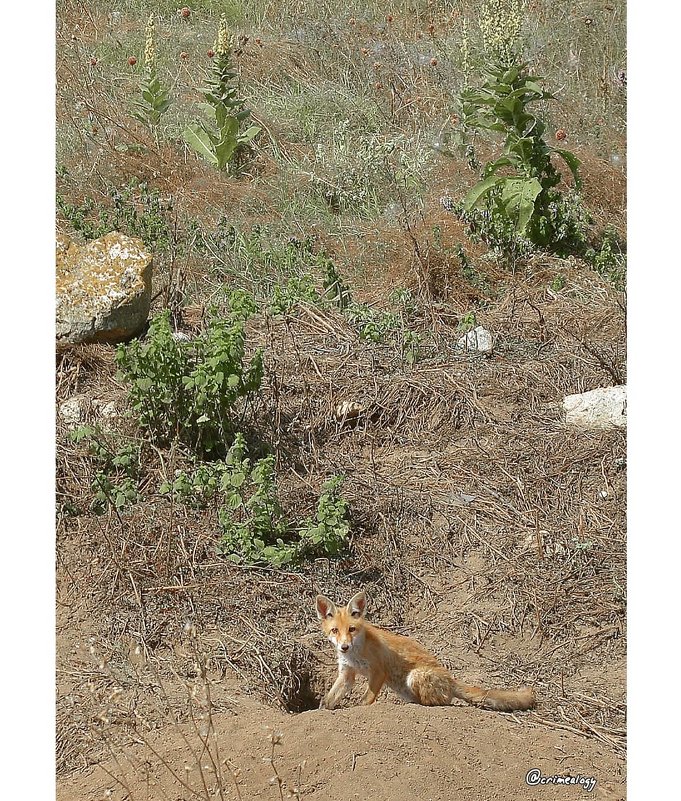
(358,604)
(325,607)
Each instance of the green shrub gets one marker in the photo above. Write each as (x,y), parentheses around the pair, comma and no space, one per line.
(254,528)
(116,478)
(521,206)
(192,390)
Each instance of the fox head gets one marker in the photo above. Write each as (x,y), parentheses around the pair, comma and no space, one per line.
(342,624)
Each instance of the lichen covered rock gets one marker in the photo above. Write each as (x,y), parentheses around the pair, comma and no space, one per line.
(103,289)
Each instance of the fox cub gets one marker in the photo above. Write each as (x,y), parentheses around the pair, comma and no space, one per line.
(401,663)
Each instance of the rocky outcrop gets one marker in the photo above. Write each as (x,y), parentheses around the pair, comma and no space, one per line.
(103,289)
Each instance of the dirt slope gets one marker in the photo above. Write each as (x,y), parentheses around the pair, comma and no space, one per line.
(387,751)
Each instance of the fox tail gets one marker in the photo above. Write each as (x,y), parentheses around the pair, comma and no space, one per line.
(498,700)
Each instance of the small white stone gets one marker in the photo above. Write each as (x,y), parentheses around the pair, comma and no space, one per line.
(602,408)
(71,411)
(479,339)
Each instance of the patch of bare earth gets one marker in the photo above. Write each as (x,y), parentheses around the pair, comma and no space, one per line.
(382,752)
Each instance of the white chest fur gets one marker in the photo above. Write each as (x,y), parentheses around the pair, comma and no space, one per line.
(353,658)
(354,661)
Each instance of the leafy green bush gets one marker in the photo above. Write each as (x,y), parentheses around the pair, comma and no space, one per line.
(327,533)
(299,289)
(254,527)
(192,390)
(303,289)
(521,206)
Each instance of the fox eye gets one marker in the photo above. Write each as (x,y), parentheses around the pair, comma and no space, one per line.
(351,629)
(334,631)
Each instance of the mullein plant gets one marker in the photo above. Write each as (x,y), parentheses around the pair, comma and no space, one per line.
(155,98)
(515,205)
(220,143)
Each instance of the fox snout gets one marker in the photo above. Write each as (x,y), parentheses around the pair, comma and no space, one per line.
(342,642)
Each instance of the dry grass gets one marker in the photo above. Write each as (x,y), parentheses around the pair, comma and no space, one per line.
(479,523)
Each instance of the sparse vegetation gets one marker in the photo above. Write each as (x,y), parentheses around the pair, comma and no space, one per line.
(297,417)
(136,210)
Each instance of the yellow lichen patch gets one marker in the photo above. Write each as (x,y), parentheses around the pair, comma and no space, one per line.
(64,245)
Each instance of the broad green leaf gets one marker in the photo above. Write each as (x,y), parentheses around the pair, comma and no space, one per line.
(505,161)
(199,139)
(479,190)
(573,163)
(518,196)
(237,479)
(249,133)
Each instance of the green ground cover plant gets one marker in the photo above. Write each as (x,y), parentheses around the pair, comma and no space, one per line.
(136,210)
(253,526)
(117,468)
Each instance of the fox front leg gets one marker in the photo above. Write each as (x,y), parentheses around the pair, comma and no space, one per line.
(341,688)
(376,682)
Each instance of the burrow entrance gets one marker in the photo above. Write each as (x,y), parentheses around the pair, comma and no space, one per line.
(304,681)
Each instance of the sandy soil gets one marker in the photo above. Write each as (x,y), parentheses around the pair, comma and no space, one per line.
(387,751)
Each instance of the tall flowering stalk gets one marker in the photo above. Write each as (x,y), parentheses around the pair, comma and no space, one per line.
(500,22)
(219,144)
(155,98)
(516,204)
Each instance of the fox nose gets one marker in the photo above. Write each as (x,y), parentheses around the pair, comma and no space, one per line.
(344,646)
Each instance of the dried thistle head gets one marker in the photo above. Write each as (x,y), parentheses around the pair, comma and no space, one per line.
(500,22)
(149,46)
(224,40)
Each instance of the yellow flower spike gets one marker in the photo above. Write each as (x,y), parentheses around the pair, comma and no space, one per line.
(500,22)
(465,49)
(222,45)
(149,46)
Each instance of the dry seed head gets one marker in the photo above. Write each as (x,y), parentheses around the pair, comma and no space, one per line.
(149,46)
(500,22)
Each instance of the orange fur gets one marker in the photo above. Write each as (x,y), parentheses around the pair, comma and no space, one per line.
(400,662)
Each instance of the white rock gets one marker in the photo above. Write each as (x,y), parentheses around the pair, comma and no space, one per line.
(71,411)
(602,408)
(479,339)
(75,410)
